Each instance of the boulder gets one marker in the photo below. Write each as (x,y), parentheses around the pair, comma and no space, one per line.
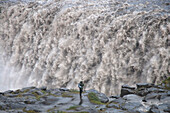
(152,96)
(126,91)
(103,98)
(7,92)
(142,92)
(128,87)
(144,85)
(133,98)
(164,107)
(154,109)
(118,101)
(156,90)
(131,106)
(1,93)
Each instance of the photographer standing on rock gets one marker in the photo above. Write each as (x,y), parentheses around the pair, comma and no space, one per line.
(80,85)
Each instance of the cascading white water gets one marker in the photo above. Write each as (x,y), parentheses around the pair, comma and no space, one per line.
(105,43)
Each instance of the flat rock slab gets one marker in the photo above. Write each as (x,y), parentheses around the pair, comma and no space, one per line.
(133,98)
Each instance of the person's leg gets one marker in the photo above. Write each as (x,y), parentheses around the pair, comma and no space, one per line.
(81,93)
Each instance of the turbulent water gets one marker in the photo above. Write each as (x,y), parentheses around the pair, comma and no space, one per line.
(105,43)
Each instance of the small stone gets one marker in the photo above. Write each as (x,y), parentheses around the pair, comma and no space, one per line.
(30,101)
(64,89)
(116,97)
(43,88)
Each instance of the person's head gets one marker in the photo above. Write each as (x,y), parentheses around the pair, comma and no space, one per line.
(81,82)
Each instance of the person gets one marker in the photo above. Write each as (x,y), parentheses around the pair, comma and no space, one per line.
(81,85)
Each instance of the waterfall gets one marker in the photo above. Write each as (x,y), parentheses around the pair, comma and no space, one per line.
(105,43)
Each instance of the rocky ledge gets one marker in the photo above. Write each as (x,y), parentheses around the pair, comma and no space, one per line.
(144,98)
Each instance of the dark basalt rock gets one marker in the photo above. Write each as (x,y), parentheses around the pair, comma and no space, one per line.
(102,97)
(152,96)
(128,87)
(28,88)
(153,109)
(120,101)
(133,98)
(144,85)
(116,97)
(113,105)
(139,100)
(126,91)
(164,107)
(131,105)
(7,92)
(64,89)
(50,100)
(30,101)
(43,88)
(16,105)
(92,91)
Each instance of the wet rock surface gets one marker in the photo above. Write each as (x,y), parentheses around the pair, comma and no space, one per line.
(145,98)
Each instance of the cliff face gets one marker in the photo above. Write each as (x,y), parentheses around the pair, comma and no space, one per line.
(145,98)
(104,43)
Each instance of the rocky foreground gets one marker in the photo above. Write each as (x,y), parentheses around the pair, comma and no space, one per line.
(144,98)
